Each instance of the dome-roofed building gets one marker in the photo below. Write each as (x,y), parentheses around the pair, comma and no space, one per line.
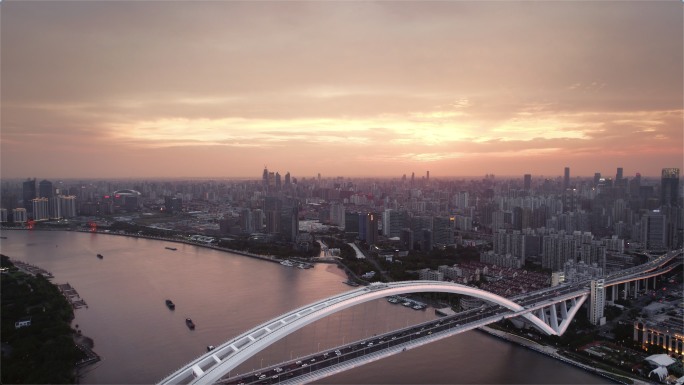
(126,200)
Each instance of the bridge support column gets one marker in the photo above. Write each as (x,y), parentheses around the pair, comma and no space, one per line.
(614,292)
(625,292)
(554,317)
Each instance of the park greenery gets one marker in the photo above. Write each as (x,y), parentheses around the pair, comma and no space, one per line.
(44,352)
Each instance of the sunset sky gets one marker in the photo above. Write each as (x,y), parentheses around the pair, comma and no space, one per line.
(222,89)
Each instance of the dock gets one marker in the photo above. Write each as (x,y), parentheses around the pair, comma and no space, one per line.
(31,269)
(72,296)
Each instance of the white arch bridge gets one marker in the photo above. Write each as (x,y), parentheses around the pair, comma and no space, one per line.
(551,315)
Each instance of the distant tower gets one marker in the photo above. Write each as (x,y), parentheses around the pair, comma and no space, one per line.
(597,178)
(428,176)
(566,179)
(264,178)
(413,178)
(527,182)
(287,179)
(618,175)
(669,187)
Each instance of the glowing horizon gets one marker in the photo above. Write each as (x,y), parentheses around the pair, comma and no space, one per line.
(348,89)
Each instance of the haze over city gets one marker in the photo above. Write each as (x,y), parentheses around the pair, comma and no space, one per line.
(222,89)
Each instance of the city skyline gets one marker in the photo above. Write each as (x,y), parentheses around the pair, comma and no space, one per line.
(361,89)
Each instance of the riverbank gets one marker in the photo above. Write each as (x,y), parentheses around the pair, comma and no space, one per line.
(552,352)
(40,347)
(268,258)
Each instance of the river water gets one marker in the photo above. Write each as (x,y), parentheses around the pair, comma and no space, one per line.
(141,341)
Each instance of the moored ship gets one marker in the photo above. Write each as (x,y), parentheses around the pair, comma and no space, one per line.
(170,304)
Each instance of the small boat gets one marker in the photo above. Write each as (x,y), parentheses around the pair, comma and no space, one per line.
(210,348)
(170,304)
(171,248)
(287,263)
(191,325)
(100,256)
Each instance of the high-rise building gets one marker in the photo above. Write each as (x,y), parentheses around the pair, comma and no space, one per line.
(618,175)
(289,219)
(272,207)
(258,220)
(527,182)
(351,223)
(427,241)
(45,189)
(669,187)
(67,206)
(653,230)
(597,302)
(371,228)
(173,205)
(20,215)
(407,238)
(597,178)
(443,230)
(41,209)
(566,179)
(393,221)
(29,194)
(246,221)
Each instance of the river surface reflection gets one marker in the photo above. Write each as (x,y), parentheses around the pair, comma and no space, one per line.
(141,340)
